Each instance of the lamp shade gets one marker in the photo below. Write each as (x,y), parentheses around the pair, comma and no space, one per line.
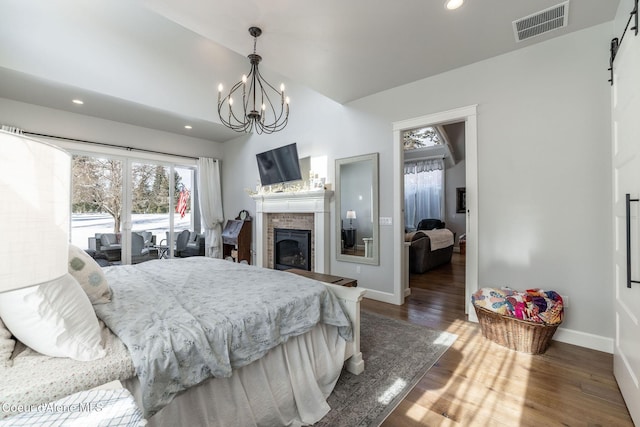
(35,193)
(351,214)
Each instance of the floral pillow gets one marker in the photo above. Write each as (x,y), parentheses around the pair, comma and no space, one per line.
(89,274)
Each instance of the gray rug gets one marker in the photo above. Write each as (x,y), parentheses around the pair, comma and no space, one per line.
(396,354)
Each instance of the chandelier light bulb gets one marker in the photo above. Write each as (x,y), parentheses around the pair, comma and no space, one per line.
(220,87)
(264,107)
(287,101)
(230,101)
(281,87)
(244,78)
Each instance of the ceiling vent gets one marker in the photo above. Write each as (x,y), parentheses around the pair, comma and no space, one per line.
(541,22)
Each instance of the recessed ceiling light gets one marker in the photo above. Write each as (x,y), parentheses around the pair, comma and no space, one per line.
(187,127)
(453,4)
(78,101)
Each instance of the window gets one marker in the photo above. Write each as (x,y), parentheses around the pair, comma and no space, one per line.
(423,191)
(156,198)
(96,198)
(424,150)
(421,138)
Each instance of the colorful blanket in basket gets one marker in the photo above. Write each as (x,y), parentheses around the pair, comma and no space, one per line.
(534,305)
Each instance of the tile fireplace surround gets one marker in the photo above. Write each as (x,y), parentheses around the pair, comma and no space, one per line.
(292,209)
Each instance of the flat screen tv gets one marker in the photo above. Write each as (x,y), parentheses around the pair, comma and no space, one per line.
(279,165)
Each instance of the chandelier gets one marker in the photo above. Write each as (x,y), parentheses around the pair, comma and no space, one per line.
(263,107)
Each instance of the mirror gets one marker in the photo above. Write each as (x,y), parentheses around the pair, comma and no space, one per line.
(357,209)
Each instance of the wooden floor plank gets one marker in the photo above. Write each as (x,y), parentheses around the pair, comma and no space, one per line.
(479,383)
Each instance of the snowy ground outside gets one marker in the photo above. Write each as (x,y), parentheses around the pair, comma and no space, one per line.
(84,226)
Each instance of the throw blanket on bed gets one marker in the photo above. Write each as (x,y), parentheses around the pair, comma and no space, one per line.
(185,320)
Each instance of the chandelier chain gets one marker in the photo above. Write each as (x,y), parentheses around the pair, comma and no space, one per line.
(254,115)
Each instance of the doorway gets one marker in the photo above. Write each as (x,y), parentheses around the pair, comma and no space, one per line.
(466,115)
(434,194)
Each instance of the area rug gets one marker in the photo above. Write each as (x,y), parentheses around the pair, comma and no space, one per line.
(396,354)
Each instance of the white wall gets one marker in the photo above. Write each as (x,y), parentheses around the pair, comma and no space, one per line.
(544,169)
(320,127)
(49,121)
(544,163)
(54,40)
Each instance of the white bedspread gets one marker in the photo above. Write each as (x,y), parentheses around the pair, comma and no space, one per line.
(186,320)
(287,387)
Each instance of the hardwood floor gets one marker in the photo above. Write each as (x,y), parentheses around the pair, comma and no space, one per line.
(479,383)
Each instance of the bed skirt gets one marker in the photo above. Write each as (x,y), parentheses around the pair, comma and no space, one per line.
(287,387)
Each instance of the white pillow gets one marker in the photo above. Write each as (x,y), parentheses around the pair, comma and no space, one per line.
(55,319)
(89,274)
(7,344)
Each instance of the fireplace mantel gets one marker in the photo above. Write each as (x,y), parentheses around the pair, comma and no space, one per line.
(316,202)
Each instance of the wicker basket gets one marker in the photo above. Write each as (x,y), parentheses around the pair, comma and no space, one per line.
(516,334)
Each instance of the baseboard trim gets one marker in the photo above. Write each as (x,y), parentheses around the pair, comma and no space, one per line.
(571,336)
(380,296)
(584,339)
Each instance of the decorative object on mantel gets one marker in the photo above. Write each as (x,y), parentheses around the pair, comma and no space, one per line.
(256,101)
(298,187)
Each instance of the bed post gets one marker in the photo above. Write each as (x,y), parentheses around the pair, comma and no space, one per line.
(350,298)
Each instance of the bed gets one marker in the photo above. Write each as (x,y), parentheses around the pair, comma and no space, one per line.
(242,373)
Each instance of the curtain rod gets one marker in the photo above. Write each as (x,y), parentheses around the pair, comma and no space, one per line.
(420,159)
(105,144)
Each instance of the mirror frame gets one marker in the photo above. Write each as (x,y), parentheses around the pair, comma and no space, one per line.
(375,259)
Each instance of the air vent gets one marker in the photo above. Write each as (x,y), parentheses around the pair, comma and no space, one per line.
(541,22)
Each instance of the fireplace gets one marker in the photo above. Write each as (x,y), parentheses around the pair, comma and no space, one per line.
(309,210)
(292,249)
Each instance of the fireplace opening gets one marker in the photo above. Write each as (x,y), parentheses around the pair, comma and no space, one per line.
(292,249)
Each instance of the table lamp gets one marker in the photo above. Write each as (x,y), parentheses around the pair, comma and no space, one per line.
(35,189)
(351,215)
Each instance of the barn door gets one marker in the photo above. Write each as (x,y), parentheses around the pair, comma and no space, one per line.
(626,164)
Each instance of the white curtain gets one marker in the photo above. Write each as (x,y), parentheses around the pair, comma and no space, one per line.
(423,191)
(210,197)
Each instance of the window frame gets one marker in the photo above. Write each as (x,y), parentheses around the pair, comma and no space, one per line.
(128,159)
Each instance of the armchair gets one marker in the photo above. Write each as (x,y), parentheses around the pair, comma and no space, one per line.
(430,224)
(189,244)
(139,252)
(109,244)
(149,238)
(427,249)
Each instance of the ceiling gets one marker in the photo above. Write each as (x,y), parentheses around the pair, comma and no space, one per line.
(156,63)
